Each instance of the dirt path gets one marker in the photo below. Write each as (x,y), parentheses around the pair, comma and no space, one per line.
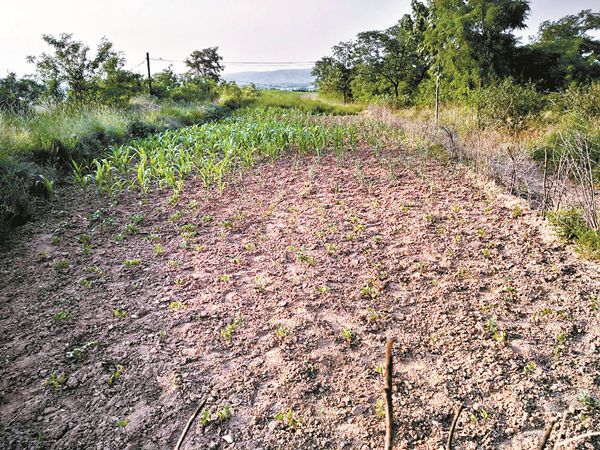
(312,264)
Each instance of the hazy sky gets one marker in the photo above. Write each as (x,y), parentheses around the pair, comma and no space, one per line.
(244,30)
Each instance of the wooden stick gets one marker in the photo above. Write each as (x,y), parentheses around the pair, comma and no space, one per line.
(546,435)
(561,429)
(578,438)
(189,423)
(389,409)
(453,426)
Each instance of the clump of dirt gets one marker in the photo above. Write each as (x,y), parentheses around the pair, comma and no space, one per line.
(273,302)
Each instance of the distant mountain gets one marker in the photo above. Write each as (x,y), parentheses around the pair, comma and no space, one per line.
(287,79)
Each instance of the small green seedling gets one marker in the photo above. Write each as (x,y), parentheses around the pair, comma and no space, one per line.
(55,380)
(131,263)
(61,265)
(224,413)
(114,377)
(176,305)
(119,314)
(288,419)
(347,335)
(282,331)
(228,331)
(62,316)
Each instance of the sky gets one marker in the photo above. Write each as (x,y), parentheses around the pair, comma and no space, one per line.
(244,30)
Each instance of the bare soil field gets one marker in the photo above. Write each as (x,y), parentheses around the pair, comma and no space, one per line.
(272,303)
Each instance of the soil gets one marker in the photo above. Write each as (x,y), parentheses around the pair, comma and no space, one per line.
(276,303)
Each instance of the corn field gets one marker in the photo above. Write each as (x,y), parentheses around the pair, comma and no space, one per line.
(213,150)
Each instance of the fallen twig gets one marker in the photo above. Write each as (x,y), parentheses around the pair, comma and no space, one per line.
(561,430)
(389,410)
(189,423)
(546,435)
(578,438)
(453,426)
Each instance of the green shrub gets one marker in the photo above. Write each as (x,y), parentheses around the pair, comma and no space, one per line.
(571,226)
(508,105)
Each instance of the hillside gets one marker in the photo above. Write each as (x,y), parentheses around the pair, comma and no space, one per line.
(286,79)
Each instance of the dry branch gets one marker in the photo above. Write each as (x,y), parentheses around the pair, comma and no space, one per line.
(189,423)
(389,409)
(453,426)
(546,435)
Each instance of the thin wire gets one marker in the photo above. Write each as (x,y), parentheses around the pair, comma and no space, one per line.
(135,67)
(254,63)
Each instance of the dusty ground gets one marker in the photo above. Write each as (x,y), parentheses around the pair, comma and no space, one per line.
(315,263)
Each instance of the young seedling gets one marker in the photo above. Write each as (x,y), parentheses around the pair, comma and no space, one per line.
(62,316)
(55,380)
(228,331)
(159,250)
(131,263)
(224,413)
(288,419)
(281,332)
(119,314)
(176,305)
(62,265)
(114,377)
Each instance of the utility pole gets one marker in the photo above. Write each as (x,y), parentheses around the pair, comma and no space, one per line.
(149,77)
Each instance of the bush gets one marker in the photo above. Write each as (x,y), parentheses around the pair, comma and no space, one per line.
(571,226)
(508,105)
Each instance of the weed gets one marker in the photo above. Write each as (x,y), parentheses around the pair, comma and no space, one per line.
(380,409)
(529,368)
(491,326)
(516,212)
(137,219)
(249,246)
(331,248)
(159,250)
(205,418)
(594,302)
(224,278)
(371,290)
(348,335)
(589,401)
(373,315)
(559,344)
(122,423)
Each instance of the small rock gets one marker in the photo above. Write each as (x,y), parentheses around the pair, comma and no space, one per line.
(228,438)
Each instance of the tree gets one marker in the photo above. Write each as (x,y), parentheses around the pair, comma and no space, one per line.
(19,94)
(334,73)
(69,68)
(394,55)
(205,64)
(471,42)
(575,52)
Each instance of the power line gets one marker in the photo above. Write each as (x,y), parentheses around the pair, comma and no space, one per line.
(254,63)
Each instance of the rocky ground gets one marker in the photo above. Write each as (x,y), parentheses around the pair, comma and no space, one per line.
(272,302)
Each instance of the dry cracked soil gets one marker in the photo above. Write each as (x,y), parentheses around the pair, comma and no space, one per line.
(272,303)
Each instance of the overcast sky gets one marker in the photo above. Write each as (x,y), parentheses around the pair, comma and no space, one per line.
(244,30)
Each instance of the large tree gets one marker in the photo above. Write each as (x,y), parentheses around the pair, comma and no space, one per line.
(334,73)
(206,64)
(471,42)
(394,55)
(69,68)
(568,42)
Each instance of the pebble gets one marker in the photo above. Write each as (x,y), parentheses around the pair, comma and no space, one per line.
(228,438)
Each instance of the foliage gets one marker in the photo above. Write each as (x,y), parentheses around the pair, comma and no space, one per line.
(18,95)
(506,104)
(205,64)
